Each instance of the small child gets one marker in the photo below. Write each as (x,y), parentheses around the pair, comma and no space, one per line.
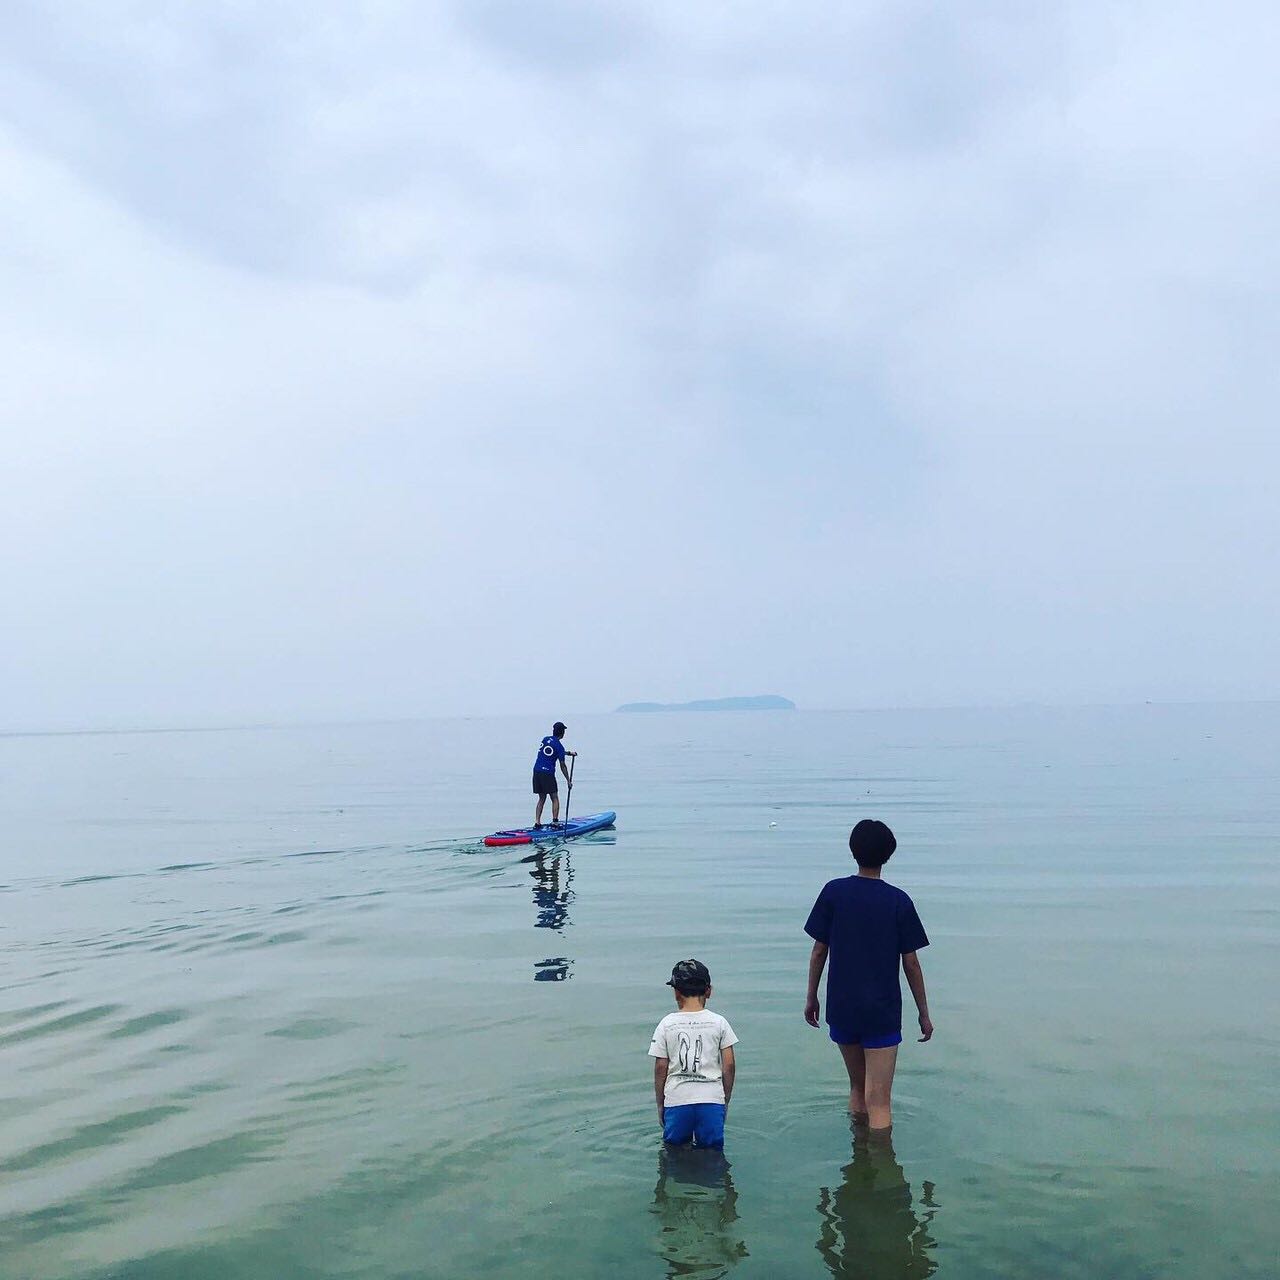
(693,1067)
(866,924)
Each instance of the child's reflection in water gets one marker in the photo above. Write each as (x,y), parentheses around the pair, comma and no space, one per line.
(696,1205)
(552,875)
(871,1229)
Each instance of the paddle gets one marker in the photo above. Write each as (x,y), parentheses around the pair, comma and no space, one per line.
(568,795)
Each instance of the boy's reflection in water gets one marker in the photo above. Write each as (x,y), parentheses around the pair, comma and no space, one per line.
(552,875)
(870,1228)
(696,1205)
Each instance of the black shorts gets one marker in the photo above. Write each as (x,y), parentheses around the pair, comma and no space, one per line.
(544,783)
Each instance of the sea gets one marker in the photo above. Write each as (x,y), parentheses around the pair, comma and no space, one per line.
(269,1008)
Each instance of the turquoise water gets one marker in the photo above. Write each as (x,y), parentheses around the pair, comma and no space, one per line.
(269,1009)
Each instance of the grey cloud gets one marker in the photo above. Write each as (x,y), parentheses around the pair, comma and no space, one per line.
(556,36)
(880,354)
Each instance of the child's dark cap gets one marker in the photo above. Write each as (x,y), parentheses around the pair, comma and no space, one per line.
(690,978)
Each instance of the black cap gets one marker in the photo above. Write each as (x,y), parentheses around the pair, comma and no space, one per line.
(690,978)
(558,728)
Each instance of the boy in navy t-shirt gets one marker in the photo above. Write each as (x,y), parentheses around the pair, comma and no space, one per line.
(865,924)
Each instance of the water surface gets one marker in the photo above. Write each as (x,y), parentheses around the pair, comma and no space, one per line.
(268,1008)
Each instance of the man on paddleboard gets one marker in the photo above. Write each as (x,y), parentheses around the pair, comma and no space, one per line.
(551,752)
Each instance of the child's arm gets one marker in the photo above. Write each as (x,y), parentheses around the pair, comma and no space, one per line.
(915,980)
(728,1070)
(817,962)
(660,1087)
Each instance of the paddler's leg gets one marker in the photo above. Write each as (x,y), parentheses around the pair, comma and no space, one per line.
(555,806)
(539,790)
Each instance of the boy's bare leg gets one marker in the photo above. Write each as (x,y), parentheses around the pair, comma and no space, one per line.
(537,817)
(879,1085)
(855,1064)
(555,807)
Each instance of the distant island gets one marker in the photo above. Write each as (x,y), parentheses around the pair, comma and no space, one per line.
(764,702)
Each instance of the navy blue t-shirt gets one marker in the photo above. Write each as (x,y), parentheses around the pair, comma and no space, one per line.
(867,924)
(550,751)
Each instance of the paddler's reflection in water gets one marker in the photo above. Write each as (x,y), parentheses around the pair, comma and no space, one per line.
(871,1229)
(552,875)
(696,1206)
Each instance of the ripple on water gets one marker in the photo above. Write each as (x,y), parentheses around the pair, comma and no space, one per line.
(55,1026)
(203,1161)
(147,938)
(9,1016)
(340,1085)
(216,940)
(146,1022)
(312,1029)
(88,1137)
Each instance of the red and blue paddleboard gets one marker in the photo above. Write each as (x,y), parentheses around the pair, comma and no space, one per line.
(553,830)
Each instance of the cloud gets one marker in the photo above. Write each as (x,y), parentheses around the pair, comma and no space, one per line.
(873,355)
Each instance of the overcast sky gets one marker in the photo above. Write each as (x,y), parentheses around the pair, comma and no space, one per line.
(397,359)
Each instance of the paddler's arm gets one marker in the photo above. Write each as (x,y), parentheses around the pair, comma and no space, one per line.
(817,962)
(563,758)
(660,1087)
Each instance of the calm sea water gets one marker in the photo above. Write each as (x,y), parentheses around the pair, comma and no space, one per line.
(269,1009)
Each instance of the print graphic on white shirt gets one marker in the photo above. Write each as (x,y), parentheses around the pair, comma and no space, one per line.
(690,1066)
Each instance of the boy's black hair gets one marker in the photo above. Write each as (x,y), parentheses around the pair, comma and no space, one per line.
(558,729)
(872,843)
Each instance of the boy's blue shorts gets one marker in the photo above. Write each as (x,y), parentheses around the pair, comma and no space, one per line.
(701,1121)
(842,1035)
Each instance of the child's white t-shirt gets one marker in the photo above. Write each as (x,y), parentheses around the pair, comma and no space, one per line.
(691,1043)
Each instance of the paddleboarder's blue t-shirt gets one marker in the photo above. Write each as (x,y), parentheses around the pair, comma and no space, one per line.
(867,924)
(549,754)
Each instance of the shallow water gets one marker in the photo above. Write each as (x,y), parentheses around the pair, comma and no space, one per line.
(269,1009)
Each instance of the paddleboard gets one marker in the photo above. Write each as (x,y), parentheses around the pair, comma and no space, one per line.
(553,830)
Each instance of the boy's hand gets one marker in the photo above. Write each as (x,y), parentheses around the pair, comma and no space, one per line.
(662,1117)
(926,1028)
(811,1010)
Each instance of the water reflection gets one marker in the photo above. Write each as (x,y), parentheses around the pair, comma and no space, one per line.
(696,1205)
(553,969)
(871,1229)
(552,874)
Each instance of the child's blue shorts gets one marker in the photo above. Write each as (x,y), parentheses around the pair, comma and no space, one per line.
(701,1121)
(842,1035)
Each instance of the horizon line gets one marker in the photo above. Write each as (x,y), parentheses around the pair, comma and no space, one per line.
(869,708)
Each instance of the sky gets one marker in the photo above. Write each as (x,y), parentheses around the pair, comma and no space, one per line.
(391,359)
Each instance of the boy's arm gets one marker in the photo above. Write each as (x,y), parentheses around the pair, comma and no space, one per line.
(817,962)
(660,1087)
(728,1071)
(915,980)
